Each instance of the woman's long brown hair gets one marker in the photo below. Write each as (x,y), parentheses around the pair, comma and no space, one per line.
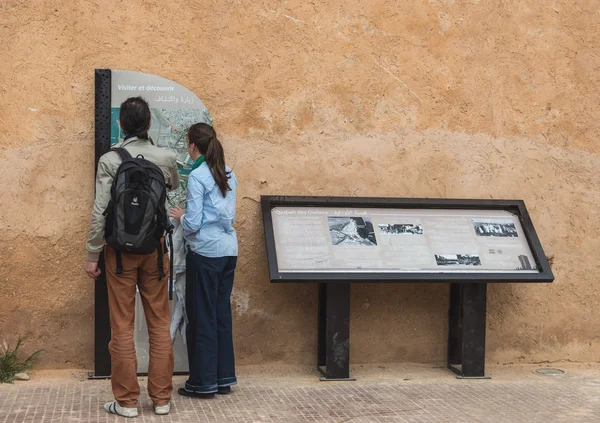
(204,137)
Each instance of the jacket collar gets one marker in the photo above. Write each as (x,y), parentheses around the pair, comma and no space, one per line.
(136,140)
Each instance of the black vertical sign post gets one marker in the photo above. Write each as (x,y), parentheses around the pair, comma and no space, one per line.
(102,333)
(334,331)
(473,326)
(466,330)
(455,326)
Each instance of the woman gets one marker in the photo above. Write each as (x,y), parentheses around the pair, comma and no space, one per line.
(211,258)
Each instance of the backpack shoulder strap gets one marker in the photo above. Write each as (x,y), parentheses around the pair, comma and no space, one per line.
(124,154)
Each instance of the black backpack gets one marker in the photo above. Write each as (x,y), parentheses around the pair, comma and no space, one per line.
(136,217)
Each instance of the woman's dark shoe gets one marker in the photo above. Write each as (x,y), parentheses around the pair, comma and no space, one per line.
(225,390)
(183,392)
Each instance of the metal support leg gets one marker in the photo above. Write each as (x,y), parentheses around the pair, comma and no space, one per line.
(102,130)
(102,333)
(466,338)
(334,331)
(454,326)
(322,328)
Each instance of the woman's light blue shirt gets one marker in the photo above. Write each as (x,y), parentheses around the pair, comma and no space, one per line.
(208,222)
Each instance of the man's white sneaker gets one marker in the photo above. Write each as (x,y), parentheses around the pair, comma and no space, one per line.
(114,408)
(161,410)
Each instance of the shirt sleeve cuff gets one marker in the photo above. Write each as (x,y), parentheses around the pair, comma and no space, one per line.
(94,257)
(182,221)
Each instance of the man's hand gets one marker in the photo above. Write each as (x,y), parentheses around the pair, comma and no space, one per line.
(176,213)
(91,268)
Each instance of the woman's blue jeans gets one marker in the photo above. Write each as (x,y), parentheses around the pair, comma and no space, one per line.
(209,335)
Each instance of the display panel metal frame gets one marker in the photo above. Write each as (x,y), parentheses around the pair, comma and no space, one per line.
(515,207)
(102,333)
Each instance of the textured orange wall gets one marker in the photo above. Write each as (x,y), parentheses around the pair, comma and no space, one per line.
(438,98)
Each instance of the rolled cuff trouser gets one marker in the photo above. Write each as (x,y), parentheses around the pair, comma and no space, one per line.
(209,330)
(140,271)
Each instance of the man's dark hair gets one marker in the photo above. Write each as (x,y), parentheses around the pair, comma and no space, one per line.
(135,117)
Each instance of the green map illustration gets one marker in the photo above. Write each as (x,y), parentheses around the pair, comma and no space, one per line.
(169,130)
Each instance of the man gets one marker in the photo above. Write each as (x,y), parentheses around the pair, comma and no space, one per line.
(126,271)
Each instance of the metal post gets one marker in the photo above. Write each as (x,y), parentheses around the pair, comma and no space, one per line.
(473,331)
(322,327)
(337,331)
(454,326)
(102,334)
(466,346)
(102,362)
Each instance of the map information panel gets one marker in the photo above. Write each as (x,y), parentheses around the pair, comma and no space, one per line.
(315,239)
(174,109)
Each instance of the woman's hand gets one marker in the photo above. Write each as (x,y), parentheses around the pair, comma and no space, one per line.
(176,213)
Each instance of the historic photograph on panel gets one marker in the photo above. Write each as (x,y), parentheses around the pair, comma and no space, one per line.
(525,263)
(457,260)
(401,229)
(505,229)
(352,231)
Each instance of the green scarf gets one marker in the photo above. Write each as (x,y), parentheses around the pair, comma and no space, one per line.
(198,162)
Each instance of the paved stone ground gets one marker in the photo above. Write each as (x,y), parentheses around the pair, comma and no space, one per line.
(402,393)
